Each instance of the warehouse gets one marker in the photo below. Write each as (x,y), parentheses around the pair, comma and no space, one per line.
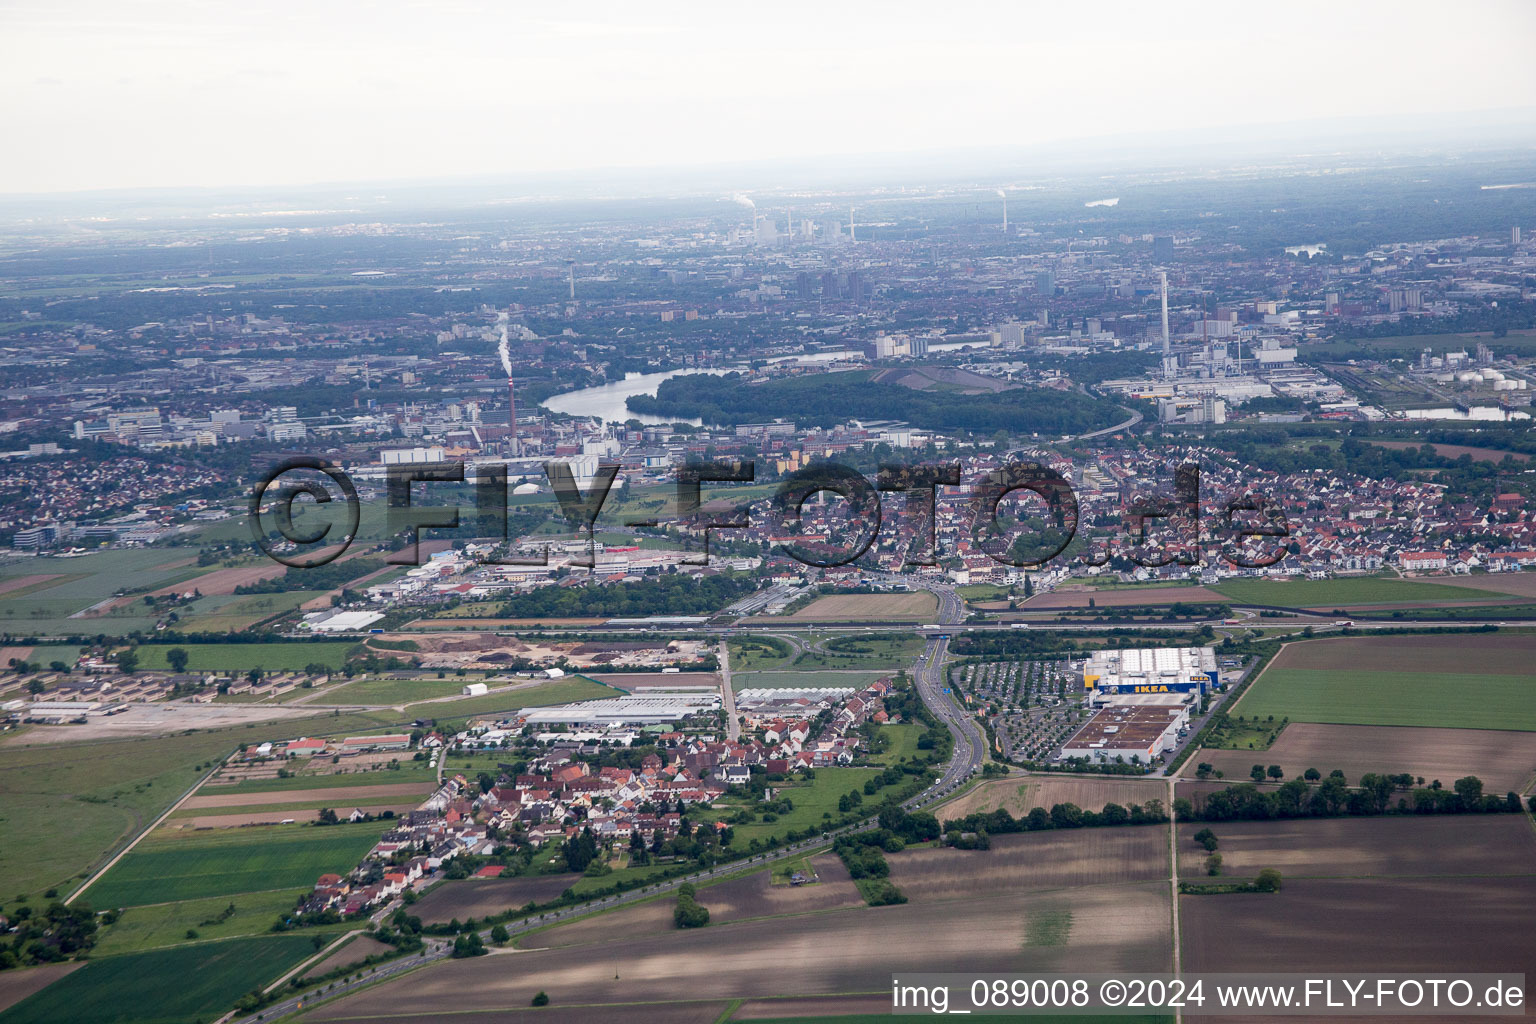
(1150,670)
(647,707)
(1140,732)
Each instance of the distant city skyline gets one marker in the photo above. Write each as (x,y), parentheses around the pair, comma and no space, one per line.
(176,95)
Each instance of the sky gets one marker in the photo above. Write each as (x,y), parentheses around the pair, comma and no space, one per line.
(128,93)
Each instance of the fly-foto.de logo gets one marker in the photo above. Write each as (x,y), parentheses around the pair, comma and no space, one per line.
(1174,528)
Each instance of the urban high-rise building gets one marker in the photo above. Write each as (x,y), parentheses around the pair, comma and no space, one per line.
(1162,248)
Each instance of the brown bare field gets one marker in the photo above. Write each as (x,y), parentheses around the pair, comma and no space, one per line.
(876,607)
(482,897)
(272,817)
(1034,860)
(1422,924)
(670,1011)
(450,623)
(23,582)
(641,680)
(353,952)
(1119,597)
(19,653)
(1019,795)
(1456,451)
(819,1006)
(738,899)
(224,581)
(842,951)
(1504,760)
(1396,846)
(16,985)
(1485,653)
(1520,584)
(336,794)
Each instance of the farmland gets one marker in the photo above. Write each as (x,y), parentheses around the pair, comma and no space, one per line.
(274,657)
(476,897)
(79,801)
(169,986)
(1504,760)
(1123,927)
(1404,847)
(1477,682)
(166,868)
(1040,860)
(68,603)
(738,899)
(913,607)
(165,924)
(1338,593)
(1437,924)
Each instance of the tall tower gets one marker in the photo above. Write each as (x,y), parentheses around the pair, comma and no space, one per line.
(570,269)
(851,236)
(1005,210)
(1168,364)
(512,416)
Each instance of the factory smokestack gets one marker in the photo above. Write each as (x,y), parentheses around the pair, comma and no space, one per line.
(1004,197)
(512,416)
(571,272)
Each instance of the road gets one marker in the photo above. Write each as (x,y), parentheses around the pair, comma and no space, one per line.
(728,694)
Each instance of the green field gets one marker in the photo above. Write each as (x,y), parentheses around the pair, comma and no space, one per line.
(222,864)
(1341,593)
(88,580)
(871,651)
(560,691)
(166,924)
(181,985)
(409,771)
(227,613)
(62,808)
(903,743)
(278,657)
(1347,696)
(812,799)
(779,680)
(393,691)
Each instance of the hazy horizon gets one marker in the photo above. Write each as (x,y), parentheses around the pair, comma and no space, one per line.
(172,95)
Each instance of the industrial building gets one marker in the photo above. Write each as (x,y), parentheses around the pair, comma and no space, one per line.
(1189,670)
(1125,732)
(649,707)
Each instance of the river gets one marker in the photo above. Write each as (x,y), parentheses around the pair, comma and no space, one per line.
(606,401)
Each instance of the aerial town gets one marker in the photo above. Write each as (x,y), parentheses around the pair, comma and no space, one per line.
(599,559)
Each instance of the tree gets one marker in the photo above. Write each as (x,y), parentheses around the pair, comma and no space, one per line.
(1257,773)
(1276,772)
(177,657)
(689,913)
(499,935)
(1206,838)
(1213,864)
(128,661)
(35,686)
(1268,881)
(1312,775)
(542,999)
